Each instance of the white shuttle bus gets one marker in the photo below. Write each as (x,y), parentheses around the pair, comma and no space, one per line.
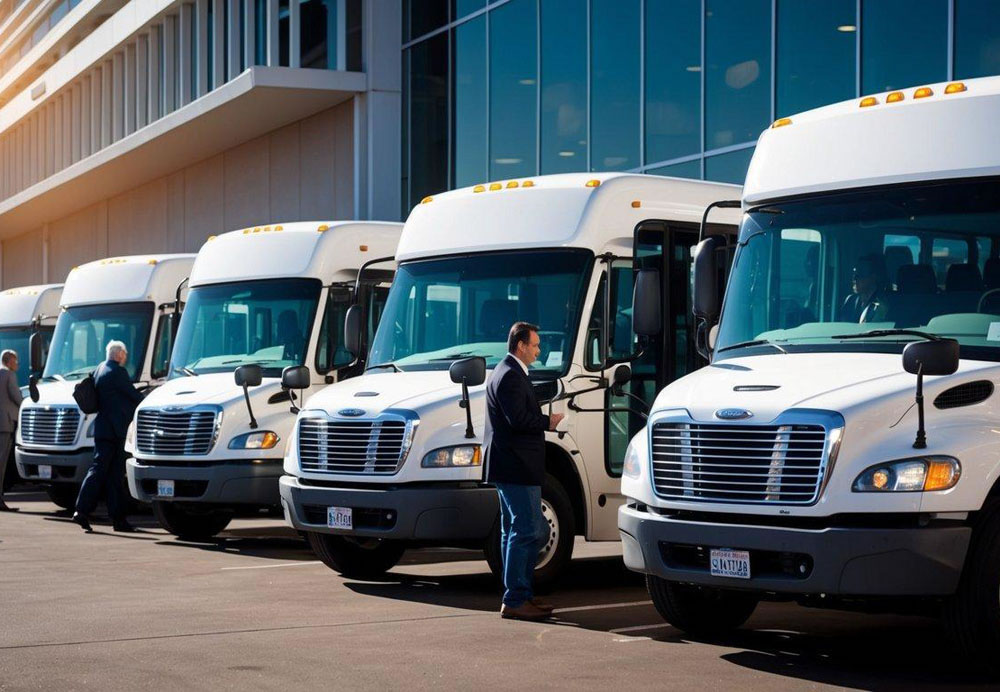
(392,459)
(133,299)
(842,448)
(261,300)
(24,311)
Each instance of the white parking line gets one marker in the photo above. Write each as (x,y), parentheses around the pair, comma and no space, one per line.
(294,564)
(639,628)
(577,609)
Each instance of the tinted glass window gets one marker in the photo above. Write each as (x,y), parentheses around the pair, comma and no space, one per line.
(977,38)
(673,80)
(564,86)
(16,339)
(467,305)
(161,349)
(738,77)
(425,16)
(83,332)
(469,98)
(330,351)
(513,89)
(428,128)
(729,168)
(904,43)
(816,53)
(263,322)
(614,89)
(318,33)
(688,169)
(460,8)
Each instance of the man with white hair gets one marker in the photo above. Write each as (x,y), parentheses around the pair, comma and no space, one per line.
(10,402)
(117,398)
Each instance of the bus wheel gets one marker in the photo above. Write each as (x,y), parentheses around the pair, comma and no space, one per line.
(972,615)
(701,611)
(63,494)
(357,558)
(191,524)
(555,547)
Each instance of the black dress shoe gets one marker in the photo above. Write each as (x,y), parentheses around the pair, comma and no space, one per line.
(83,522)
(123,527)
(7,508)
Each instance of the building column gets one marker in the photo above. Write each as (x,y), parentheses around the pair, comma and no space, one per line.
(233,26)
(45,253)
(202,58)
(273,57)
(142,81)
(185,50)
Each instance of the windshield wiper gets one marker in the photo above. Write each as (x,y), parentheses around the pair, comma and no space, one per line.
(384,365)
(240,360)
(755,342)
(57,378)
(889,332)
(453,356)
(187,371)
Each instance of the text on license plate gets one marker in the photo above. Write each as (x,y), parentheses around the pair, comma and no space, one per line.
(339,518)
(165,488)
(730,563)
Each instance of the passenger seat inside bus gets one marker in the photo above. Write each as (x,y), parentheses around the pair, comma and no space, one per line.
(963,286)
(916,295)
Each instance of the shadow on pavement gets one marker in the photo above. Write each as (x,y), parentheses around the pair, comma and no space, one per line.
(843,649)
(274,542)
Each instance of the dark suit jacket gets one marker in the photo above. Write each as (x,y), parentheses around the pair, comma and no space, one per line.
(516,451)
(117,398)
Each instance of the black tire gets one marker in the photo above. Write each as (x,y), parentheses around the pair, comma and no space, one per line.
(356,558)
(63,494)
(972,615)
(700,611)
(556,556)
(191,523)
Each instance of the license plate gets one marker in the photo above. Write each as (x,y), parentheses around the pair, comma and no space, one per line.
(45,471)
(339,518)
(730,563)
(165,488)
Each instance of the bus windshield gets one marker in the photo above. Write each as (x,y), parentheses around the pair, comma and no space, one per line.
(811,271)
(264,322)
(441,310)
(16,339)
(82,333)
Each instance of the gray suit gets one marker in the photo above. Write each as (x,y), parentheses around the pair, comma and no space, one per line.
(10,403)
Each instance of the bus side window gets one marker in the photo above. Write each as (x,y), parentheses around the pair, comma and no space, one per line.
(330,351)
(161,349)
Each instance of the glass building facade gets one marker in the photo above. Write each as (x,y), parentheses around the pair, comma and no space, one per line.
(513,88)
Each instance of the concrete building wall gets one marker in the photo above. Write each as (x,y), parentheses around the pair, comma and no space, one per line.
(302,171)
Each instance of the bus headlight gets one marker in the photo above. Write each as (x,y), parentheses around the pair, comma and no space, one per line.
(920,474)
(466,455)
(632,466)
(255,440)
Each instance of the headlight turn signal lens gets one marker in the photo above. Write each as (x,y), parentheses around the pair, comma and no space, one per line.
(255,440)
(910,475)
(466,455)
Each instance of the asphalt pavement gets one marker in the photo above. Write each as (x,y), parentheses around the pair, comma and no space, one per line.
(255,610)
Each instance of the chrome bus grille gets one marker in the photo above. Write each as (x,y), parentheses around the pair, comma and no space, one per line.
(49,426)
(184,432)
(357,446)
(776,464)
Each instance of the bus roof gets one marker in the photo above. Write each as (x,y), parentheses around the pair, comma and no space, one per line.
(127,279)
(19,306)
(936,132)
(325,250)
(583,210)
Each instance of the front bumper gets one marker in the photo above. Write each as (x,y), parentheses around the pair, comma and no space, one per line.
(839,561)
(69,467)
(438,512)
(243,482)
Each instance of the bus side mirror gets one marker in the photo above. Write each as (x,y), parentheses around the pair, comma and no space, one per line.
(938,357)
(621,377)
(706,299)
(247,376)
(295,377)
(469,372)
(352,330)
(36,352)
(33,388)
(647,315)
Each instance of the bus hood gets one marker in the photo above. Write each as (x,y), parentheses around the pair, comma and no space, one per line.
(764,386)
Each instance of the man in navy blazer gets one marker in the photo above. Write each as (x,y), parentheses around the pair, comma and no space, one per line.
(515,453)
(117,398)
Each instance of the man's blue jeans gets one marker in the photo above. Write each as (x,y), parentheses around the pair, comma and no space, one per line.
(522,528)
